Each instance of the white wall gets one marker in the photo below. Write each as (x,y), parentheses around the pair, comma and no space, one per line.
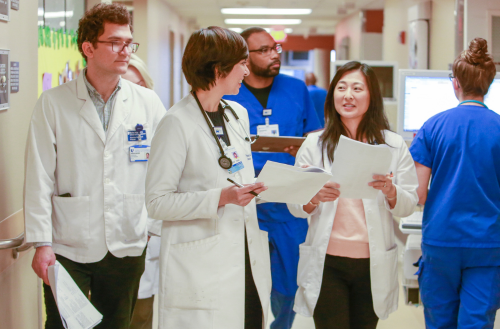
(153,21)
(349,27)
(442,31)
(476,19)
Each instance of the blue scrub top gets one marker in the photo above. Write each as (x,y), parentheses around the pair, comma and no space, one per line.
(318,96)
(294,112)
(462,148)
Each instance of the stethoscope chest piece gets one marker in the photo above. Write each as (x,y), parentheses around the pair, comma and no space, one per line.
(225,162)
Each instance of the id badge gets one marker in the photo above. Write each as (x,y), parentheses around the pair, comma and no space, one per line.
(133,136)
(232,154)
(219,131)
(268,130)
(139,153)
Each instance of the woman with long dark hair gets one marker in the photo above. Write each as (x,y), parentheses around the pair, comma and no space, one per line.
(347,272)
(459,273)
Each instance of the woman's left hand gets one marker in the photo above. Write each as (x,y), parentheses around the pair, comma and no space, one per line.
(384,184)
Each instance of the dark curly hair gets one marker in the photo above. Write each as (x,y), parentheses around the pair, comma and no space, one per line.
(91,25)
(210,49)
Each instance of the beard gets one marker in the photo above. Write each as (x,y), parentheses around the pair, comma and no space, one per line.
(265,72)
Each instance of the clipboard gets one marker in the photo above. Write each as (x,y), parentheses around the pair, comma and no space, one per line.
(275,143)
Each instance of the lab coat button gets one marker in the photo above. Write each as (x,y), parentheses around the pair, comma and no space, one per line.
(107,154)
(254,262)
(107,181)
(250,241)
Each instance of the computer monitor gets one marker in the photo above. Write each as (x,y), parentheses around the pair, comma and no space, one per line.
(425,93)
(297,72)
(386,72)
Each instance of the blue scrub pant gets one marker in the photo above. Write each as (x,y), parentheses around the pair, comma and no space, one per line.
(284,241)
(460,287)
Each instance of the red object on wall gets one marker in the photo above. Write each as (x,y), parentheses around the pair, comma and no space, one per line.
(402,37)
(299,43)
(374,21)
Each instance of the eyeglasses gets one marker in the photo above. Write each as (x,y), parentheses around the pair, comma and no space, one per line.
(451,77)
(118,46)
(266,51)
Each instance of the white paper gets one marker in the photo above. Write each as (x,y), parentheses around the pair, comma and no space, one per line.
(354,165)
(289,184)
(74,307)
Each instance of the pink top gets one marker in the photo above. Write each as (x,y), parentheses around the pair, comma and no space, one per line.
(349,236)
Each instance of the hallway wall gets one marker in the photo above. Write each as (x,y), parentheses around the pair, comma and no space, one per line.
(18,285)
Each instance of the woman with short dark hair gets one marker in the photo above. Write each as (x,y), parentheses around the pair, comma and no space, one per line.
(347,273)
(459,273)
(215,269)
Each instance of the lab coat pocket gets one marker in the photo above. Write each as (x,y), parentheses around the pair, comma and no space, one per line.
(191,277)
(72,220)
(306,265)
(134,223)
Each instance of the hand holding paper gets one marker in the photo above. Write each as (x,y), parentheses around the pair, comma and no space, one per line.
(354,165)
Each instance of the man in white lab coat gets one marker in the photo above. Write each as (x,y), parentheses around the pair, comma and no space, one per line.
(86,160)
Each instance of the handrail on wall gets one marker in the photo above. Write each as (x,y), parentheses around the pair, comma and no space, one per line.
(17,245)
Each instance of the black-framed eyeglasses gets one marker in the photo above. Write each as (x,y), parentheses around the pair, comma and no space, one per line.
(451,77)
(266,51)
(118,46)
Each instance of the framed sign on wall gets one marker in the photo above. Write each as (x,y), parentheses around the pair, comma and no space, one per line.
(4,10)
(4,79)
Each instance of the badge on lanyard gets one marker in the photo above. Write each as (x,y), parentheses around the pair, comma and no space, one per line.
(139,153)
(219,131)
(267,112)
(231,153)
(268,130)
(138,134)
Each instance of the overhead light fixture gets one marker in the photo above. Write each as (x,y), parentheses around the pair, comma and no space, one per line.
(244,21)
(265,11)
(239,29)
(55,14)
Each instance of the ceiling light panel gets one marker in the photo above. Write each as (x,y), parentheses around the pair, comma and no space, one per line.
(244,21)
(265,11)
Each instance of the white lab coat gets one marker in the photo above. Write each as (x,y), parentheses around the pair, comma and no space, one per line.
(379,221)
(68,151)
(148,286)
(202,260)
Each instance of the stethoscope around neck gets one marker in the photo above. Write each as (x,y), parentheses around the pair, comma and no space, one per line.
(224,161)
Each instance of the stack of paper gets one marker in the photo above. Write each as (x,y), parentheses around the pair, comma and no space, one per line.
(354,165)
(74,307)
(289,184)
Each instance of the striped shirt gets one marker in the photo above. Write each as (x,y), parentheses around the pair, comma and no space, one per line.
(104,109)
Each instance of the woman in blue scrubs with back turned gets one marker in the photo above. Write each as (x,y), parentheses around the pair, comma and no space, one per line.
(459,273)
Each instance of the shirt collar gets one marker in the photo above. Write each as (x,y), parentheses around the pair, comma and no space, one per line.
(91,88)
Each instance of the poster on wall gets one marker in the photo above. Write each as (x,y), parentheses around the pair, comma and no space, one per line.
(4,10)
(4,79)
(14,4)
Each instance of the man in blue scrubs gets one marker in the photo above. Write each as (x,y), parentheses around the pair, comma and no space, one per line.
(318,96)
(277,105)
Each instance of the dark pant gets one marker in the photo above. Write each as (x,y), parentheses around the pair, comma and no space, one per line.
(253,308)
(345,300)
(112,283)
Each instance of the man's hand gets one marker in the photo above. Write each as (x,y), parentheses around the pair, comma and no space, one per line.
(44,257)
(292,150)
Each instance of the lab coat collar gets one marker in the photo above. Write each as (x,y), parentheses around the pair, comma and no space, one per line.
(121,110)
(88,110)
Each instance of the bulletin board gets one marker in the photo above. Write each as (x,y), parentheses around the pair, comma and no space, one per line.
(59,60)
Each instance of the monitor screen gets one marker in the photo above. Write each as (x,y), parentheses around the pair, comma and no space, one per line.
(425,93)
